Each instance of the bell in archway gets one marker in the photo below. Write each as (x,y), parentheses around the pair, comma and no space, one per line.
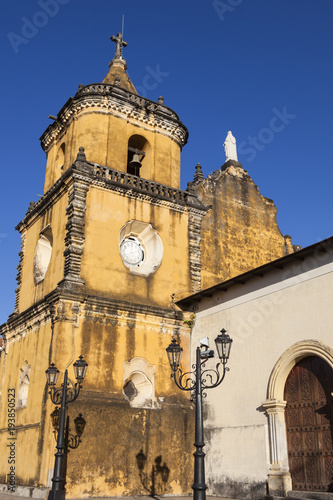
(135,163)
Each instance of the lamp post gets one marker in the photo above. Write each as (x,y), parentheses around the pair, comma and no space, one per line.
(63,395)
(197,381)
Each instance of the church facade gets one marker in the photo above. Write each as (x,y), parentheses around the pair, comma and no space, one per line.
(269,427)
(106,252)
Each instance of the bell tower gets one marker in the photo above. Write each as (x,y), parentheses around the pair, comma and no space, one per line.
(105,249)
(114,123)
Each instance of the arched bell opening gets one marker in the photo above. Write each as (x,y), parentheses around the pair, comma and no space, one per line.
(138,156)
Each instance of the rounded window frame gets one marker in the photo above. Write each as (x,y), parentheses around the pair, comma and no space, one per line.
(151,244)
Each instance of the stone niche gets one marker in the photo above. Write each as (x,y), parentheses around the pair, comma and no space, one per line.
(43,254)
(23,388)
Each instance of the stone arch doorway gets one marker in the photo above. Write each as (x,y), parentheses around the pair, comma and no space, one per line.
(279,477)
(309,424)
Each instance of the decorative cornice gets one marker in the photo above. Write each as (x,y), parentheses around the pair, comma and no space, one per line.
(104,305)
(58,306)
(21,324)
(46,201)
(119,102)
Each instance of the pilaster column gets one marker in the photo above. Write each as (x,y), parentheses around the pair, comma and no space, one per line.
(279,479)
(194,233)
(74,240)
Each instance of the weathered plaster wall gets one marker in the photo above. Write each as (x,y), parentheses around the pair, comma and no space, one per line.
(105,462)
(102,267)
(115,434)
(240,232)
(28,343)
(109,335)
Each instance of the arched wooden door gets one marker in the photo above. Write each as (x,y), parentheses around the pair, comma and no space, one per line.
(309,423)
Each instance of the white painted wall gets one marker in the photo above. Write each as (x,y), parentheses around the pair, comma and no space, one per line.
(264,317)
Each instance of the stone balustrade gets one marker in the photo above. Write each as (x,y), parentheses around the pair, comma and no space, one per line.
(151,188)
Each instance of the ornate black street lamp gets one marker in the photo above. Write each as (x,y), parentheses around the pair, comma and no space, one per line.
(197,381)
(63,395)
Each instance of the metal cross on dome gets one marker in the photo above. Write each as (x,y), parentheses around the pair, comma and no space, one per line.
(120,44)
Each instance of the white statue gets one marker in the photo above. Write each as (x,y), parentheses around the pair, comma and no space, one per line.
(230,147)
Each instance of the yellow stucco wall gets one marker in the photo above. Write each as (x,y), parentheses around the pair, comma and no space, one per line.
(115,432)
(31,347)
(105,462)
(102,266)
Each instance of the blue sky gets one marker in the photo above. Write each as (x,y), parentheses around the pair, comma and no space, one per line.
(262,69)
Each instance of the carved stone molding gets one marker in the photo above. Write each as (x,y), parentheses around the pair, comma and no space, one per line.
(107,177)
(77,192)
(45,202)
(19,272)
(125,315)
(112,99)
(114,180)
(86,173)
(194,233)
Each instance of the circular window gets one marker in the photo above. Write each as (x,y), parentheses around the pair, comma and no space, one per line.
(131,251)
(141,248)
